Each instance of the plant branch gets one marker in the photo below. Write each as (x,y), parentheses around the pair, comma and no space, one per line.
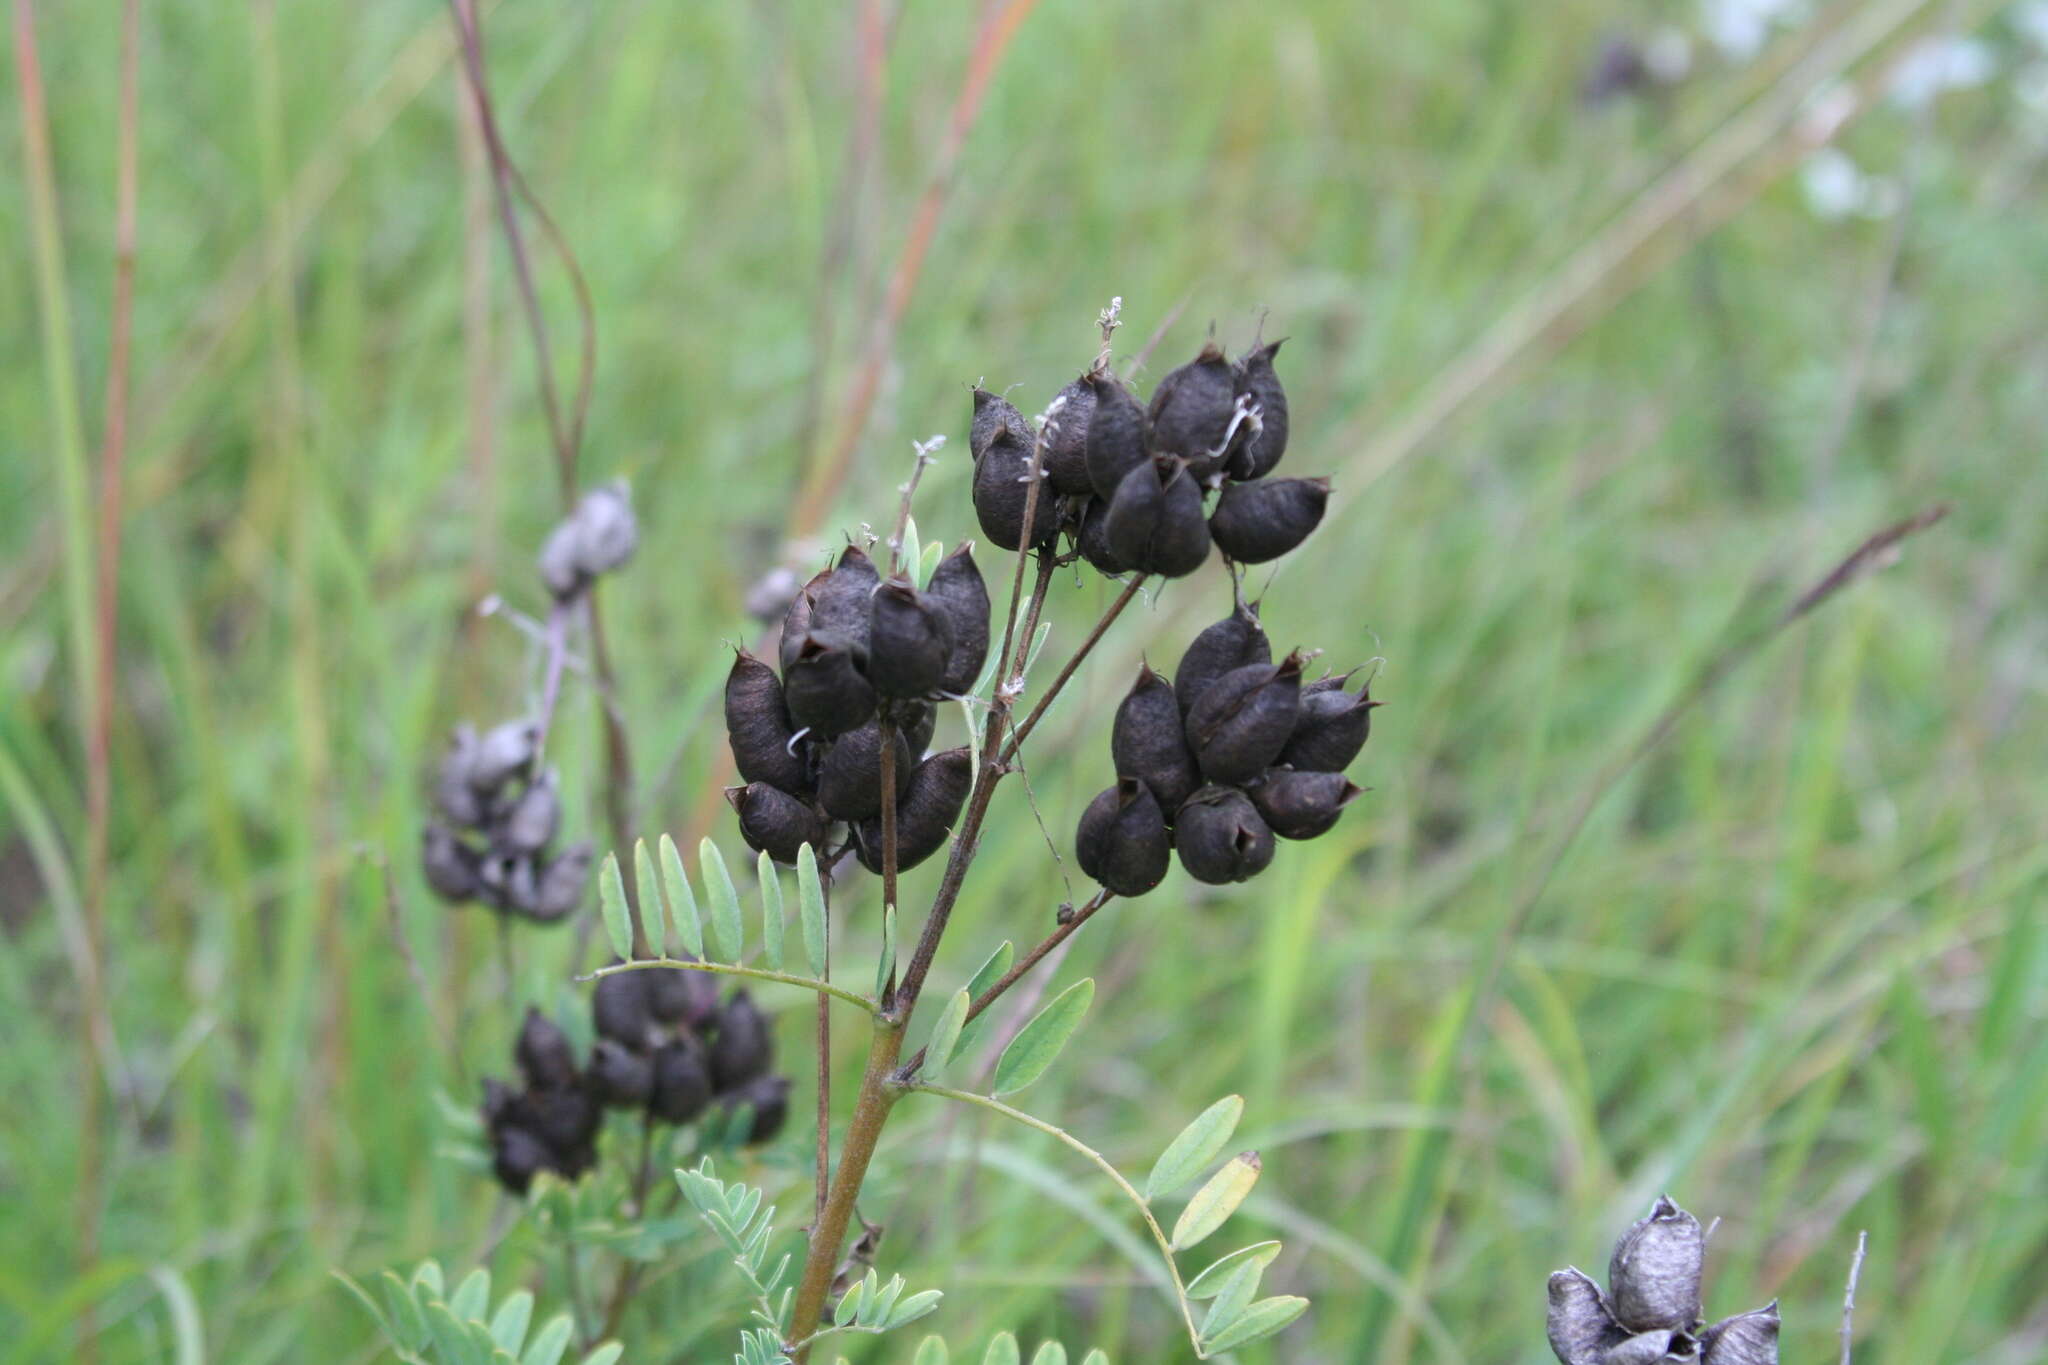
(824,1049)
(824,988)
(1849,1297)
(1066,673)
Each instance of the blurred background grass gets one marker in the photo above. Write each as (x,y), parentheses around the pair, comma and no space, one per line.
(1791,969)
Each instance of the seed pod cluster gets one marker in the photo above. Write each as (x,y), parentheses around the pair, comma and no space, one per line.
(551,1121)
(1215,763)
(597,538)
(497,815)
(1651,1308)
(857,651)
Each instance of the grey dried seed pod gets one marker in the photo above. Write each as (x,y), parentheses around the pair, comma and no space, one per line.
(1221,838)
(910,640)
(619,1008)
(682,1084)
(850,774)
(543,1052)
(606,533)
(517,1156)
(534,818)
(561,885)
(520,890)
(1746,1339)
(957,587)
(1243,720)
(916,721)
(1257,522)
(925,815)
(1092,539)
(449,864)
(796,622)
(1155,521)
(455,794)
(1117,436)
(772,594)
(1655,1272)
(1645,1348)
(1191,410)
(743,1047)
(504,752)
(1582,1328)
(768,1098)
(1301,805)
(774,822)
(824,687)
(1002,494)
(1331,726)
(1258,453)
(1066,437)
(1238,640)
(557,562)
(620,1077)
(675,996)
(840,608)
(758,728)
(1122,841)
(994,416)
(1148,742)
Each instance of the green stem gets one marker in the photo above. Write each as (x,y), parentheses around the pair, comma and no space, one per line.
(809,983)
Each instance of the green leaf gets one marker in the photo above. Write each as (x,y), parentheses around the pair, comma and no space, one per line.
(429,1276)
(653,919)
(405,1309)
(1217,1200)
(451,1338)
(923,1302)
(472,1296)
(910,551)
(1002,1351)
(682,901)
(991,971)
(728,935)
(605,1354)
(771,912)
(810,902)
(1195,1147)
(885,965)
(508,1324)
(1232,1300)
(928,562)
(1049,1353)
(946,1034)
(1210,1282)
(850,1303)
(931,1351)
(1260,1321)
(1039,1042)
(550,1341)
(1096,1357)
(611,900)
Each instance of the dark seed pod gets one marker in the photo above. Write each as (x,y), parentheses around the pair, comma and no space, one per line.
(1155,521)
(1646,1348)
(1581,1328)
(757,726)
(850,775)
(1301,805)
(450,865)
(503,753)
(915,721)
(565,1118)
(1221,837)
(682,1086)
(1093,539)
(499,1100)
(517,1156)
(910,641)
(543,1052)
(454,793)
(1257,522)
(559,889)
(743,1047)
(1258,453)
(620,1009)
(1148,741)
(619,1077)
(1122,841)
(796,622)
(995,416)
(1746,1339)
(768,1098)
(1655,1272)
(824,688)
(961,594)
(925,816)
(840,606)
(1244,719)
(1002,494)
(774,822)
(675,996)
(1234,642)
(1331,727)
(1066,437)
(1191,411)
(1117,435)
(531,823)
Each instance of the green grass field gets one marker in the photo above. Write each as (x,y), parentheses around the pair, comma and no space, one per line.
(1587,415)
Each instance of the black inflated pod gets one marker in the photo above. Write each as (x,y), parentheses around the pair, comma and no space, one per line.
(566,1119)
(675,996)
(840,606)
(958,589)
(1221,838)
(543,1052)
(850,774)
(758,727)
(682,1084)
(1002,495)
(1234,642)
(451,866)
(774,822)
(1191,411)
(796,622)
(517,1156)
(825,689)
(620,1010)
(1301,805)
(454,792)
(1243,720)
(1092,539)
(1066,437)
(743,1047)
(620,1077)
(1255,456)
(916,721)
(925,816)
(1116,436)
(1122,841)
(533,819)
(561,885)
(1149,742)
(995,416)
(910,640)
(1155,521)
(1257,522)
(1653,1277)
(1331,727)
(768,1098)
